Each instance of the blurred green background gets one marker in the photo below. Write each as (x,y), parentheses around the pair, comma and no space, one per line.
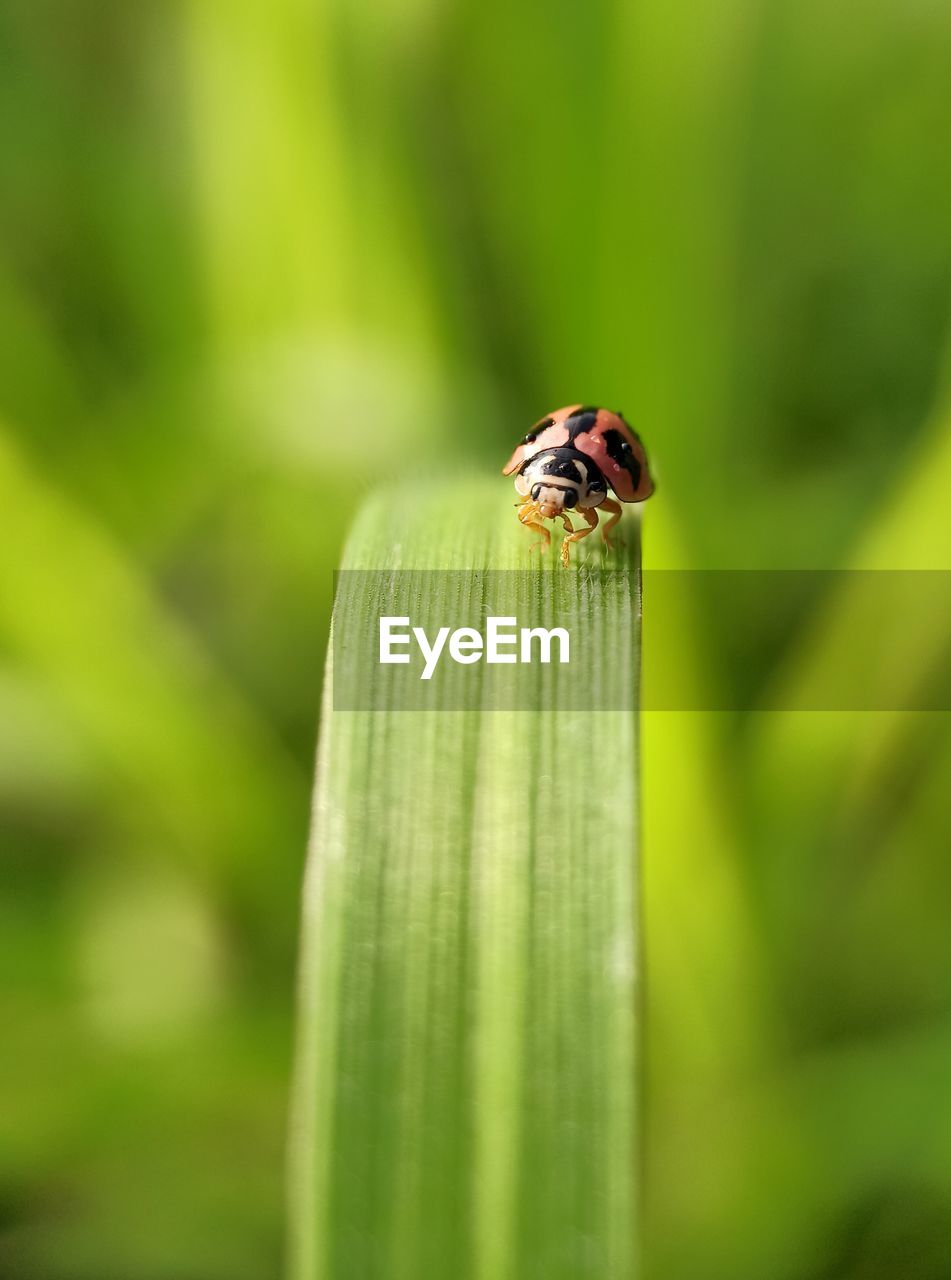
(257,258)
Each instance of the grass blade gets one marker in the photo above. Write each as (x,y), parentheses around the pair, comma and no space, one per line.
(467,1076)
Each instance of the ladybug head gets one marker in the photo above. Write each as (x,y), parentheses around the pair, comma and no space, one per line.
(559,479)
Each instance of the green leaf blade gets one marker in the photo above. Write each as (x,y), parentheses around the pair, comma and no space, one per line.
(467,1074)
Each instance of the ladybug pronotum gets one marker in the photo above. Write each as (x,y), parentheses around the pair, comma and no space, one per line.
(570,460)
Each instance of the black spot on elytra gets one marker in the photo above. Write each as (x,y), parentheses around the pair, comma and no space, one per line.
(620,415)
(619,450)
(580,421)
(538,428)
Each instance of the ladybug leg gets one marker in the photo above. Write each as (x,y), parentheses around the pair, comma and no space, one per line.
(615,509)
(527,514)
(590,514)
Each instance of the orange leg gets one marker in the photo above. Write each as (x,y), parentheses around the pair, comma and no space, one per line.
(615,508)
(590,514)
(528,516)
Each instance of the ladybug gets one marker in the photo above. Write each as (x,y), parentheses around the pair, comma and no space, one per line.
(571,459)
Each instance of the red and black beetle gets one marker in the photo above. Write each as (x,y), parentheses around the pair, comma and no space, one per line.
(569,460)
